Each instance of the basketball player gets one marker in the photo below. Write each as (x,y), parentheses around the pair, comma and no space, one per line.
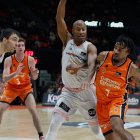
(78,63)
(16,73)
(8,40)
(115,67)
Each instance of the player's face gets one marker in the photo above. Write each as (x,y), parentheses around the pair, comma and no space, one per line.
(79,32)
(11,43)
(120,52)
(20,48)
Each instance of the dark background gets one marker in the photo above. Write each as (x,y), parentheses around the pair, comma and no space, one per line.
(35,19)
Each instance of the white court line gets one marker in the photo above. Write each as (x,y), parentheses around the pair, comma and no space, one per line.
(12,138)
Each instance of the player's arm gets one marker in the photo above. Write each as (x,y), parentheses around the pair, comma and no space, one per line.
(61,24)
(135,72)
(6,72)
(92,56)
(100,59)
(34,71)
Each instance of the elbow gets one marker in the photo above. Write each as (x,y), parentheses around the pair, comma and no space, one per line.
(57,18)
(35,78)
(4,79)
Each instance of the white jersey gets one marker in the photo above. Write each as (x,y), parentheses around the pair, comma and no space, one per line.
(73,54)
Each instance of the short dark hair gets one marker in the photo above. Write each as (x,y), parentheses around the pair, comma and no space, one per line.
(21,39)
(129,43)
(7,33)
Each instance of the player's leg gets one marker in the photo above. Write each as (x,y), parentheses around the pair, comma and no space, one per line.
(62,110)
(117,118)
(118,128)
(31,105)
(56,122)
(88,109)
(7,97)
(3,107)
(112,136)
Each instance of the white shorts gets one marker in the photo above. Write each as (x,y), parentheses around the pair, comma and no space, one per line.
(84,101)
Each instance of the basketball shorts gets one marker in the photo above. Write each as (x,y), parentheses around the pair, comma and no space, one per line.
(83,101)
(105,111)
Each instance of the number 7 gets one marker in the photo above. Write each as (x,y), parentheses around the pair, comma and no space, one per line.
(108,91)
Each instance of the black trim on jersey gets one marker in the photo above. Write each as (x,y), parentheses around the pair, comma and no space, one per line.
(125,97)
(128,71)
(114,116)
(6,102)
(123,110)
(108,132)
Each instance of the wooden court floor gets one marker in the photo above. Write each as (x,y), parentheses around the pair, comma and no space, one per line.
(17,125)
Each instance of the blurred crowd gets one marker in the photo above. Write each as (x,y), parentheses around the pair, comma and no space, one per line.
(35,20)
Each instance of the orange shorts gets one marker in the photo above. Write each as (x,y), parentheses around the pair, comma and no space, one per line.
(10,94)
(116,108)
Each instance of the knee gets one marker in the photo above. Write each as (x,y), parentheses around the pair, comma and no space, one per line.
(117,128)
(2,109)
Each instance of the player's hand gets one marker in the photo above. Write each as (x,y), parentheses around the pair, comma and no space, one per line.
(85,85)
(34,72)
(19,69)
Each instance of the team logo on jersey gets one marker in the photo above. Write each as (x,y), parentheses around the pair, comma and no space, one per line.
(118,74)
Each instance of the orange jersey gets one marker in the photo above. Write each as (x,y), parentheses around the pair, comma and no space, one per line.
(20,81)
(111,81)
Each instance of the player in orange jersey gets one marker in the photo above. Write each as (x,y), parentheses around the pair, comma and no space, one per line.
(115,67)
(16,73)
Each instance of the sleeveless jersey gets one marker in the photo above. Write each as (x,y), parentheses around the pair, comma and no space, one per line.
(20,81)
(111,81)
(77,55)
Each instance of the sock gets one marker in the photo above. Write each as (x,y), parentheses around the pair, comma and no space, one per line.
(40,134)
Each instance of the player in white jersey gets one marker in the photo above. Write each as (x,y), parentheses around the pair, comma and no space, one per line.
(8,40)
(78,62)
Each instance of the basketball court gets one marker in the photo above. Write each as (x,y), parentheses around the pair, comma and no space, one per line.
(17,125)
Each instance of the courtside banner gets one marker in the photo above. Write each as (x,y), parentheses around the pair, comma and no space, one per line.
(50,99)
(133,101)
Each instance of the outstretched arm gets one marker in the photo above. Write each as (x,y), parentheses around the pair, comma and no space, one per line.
(61,24)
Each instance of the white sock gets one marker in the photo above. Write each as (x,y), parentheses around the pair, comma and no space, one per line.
(56,123)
